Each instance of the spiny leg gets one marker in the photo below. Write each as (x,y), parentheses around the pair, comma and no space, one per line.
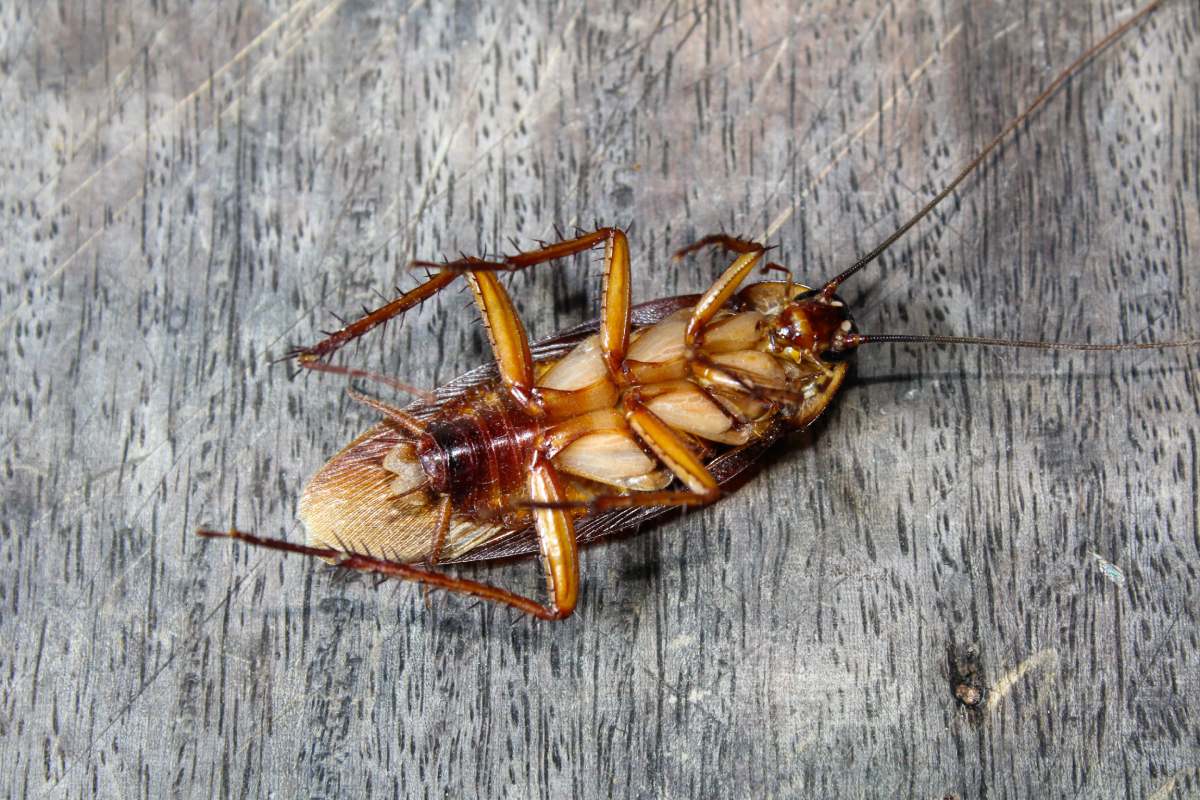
(791,284)
(616,289)
(445,275)
(556,541)
(614,312)
(396,569)
(731,243)
(750,253)
(550,252)
(556,538)
(614,329)
(717,295)
(509,342)
(670,449)
(310,357)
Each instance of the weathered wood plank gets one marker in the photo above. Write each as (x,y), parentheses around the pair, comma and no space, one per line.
(190,190)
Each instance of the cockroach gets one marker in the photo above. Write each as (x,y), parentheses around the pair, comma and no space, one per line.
(602,427)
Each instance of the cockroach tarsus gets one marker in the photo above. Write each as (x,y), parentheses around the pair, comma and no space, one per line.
(602,427)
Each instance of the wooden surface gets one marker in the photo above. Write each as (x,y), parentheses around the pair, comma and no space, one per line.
(190,190)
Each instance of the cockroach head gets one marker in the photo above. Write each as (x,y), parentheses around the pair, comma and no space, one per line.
(813,324)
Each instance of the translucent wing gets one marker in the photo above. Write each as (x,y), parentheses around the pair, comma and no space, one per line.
(367,499)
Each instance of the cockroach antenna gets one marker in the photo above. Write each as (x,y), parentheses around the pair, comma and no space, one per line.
(829,290)
(831,287)
(858,339)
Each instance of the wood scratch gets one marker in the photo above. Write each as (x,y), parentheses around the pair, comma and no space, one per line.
(871,122)
(289,46)
(427,193)
(1043,658)
(1164,791)
(182,104)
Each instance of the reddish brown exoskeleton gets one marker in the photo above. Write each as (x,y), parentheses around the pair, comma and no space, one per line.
(595,430)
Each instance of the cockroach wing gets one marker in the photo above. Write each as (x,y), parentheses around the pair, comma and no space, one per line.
(369,499)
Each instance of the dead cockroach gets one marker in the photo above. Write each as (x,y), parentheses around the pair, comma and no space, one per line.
(597,429)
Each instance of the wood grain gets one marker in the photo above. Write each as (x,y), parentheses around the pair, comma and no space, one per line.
(190,190)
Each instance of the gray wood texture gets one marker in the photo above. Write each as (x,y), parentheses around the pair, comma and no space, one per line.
(188,190)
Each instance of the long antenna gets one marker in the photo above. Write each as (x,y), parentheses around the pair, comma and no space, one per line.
(831,287)
(858,339)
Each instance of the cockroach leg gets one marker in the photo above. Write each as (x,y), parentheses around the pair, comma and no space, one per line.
(670,449)
(396,569)
(614,330)
(310,357)
(516,261)
(351,372)
(565,433)
(721,291)
(731,243)
(462,265)
(399,416)
(711,373)
(614,311)
(507,335)
(556,537)
(509,342)
(568,247)
(772,266)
